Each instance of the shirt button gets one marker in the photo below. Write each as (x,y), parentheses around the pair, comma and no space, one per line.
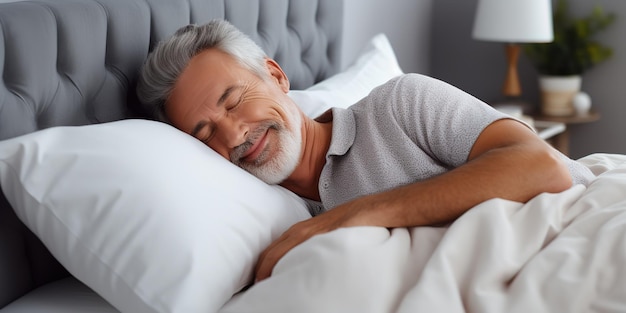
(325,185)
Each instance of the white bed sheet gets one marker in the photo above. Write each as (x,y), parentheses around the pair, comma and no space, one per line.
(67,295)
(562,252)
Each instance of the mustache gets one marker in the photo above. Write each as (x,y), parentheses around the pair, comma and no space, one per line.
(238,152)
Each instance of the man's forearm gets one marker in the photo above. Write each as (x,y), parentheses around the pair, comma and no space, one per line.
(516,173)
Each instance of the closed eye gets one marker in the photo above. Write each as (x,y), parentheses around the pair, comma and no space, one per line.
(204,131)
(209,134)
(235,104)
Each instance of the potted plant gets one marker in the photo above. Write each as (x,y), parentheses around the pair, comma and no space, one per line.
(562,62)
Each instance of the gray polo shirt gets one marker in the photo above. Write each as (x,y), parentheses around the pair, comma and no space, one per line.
(409,129)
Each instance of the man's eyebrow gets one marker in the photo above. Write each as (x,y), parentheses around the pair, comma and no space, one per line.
(220,101)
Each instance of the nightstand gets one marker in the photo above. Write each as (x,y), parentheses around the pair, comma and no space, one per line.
(552,132)
(561,141)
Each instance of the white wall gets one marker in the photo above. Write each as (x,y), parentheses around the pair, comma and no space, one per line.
(405,22)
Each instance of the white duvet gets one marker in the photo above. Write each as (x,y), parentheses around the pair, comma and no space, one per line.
(561,252)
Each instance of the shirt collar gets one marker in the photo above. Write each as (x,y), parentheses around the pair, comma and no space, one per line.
(344,131)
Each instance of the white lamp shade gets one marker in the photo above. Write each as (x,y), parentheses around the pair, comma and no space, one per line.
(514,21)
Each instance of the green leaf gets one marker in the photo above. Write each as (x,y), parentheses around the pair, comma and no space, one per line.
(573,50)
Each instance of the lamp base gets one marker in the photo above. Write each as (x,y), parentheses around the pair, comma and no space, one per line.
(512,87)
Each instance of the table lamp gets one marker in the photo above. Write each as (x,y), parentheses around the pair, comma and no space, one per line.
(513,22)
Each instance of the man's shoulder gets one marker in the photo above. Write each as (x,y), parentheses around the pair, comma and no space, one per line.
(408,85)
(412,79)
(398,92)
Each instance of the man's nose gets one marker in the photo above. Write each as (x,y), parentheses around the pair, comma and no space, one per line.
(234,131)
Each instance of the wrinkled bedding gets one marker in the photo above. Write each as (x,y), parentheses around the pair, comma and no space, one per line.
(562,252)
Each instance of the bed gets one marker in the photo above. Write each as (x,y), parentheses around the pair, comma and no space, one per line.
(105,210)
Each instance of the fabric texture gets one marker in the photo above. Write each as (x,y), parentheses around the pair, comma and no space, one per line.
(75,62)
(559,252)
(374,66)
(412,128)
(66,295)
(144,214)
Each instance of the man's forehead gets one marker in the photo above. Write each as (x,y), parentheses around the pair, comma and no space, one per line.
(201,78)
(204,87)
(211,55)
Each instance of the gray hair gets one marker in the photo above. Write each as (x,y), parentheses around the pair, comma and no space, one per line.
(170,57)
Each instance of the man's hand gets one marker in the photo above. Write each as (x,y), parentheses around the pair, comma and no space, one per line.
(294,236)
(507,161)
(342,216)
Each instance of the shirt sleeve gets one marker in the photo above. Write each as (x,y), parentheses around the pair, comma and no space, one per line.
(441,119)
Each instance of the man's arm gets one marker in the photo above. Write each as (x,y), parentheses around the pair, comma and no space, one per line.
(507,161)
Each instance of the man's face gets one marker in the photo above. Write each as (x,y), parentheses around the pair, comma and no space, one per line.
(247,119)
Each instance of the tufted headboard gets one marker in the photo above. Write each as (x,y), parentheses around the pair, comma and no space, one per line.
(75,62)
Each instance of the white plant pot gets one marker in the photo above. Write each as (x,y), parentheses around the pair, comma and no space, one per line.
(557,94)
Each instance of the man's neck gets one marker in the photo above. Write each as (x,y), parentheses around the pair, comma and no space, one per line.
(304,181)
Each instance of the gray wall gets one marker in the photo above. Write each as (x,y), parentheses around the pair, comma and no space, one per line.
(434,37)
(479,67)
(407,24)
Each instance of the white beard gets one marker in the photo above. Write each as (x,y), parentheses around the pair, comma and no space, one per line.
(288,145)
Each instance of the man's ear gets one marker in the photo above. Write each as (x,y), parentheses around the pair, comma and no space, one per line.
(277,74)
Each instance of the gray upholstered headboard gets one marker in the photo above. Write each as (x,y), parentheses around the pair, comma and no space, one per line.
(75,62)
(72,62)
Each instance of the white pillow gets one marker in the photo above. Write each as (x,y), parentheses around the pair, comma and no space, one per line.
(375,65)
(145,215)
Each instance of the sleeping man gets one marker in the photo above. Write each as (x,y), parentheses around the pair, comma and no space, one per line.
(416,151)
